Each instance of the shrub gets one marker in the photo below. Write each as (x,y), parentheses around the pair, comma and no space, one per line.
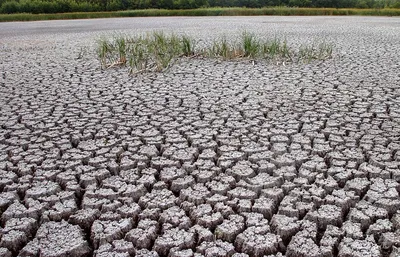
(64,6)
(9,7)
(114,5)
(84,7)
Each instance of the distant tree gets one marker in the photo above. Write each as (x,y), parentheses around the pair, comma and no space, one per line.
(64,5)
(114,5)
(126,4)
(346,3)
(166,4)
(323,3)
(395,4)
(300,3)
(365,4)
(272,3)
(9,7)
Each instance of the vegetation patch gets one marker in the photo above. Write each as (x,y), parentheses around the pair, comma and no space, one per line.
(65,6)
(157,51)
(216,11)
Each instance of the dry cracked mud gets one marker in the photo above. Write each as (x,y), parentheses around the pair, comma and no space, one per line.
(210,158)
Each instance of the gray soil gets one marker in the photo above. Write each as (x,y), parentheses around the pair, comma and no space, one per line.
(210,158)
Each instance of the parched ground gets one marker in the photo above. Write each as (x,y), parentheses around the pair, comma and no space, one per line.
(211,158)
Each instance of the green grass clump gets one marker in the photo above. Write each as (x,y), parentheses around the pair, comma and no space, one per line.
(223,49)
(320,51)
(152,52)
(157,51)
(188,46)
(251,45)
(276,48)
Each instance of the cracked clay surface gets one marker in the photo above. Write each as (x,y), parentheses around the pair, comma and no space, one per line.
(210,158)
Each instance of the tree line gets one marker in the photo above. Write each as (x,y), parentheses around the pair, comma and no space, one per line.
(63,6)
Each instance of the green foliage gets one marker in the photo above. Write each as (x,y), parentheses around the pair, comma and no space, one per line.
(154,51)
(271,48)
(221,48)
(319,51)
(64,6)
(157,51)
(164,49)
(188,46)
(138,55)
(49,6)
(9,7)
(85,11)
(114,5)
(251,46)
(105,52)
(300,3)
(121,47)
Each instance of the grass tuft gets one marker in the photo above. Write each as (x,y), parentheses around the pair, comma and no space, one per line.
(320,51)
(188,46)
(222,49)
(251,45)
(157,51)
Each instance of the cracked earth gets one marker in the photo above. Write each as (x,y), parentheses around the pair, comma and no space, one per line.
(211,158)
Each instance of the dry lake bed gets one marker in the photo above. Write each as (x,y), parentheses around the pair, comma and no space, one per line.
(211,158)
